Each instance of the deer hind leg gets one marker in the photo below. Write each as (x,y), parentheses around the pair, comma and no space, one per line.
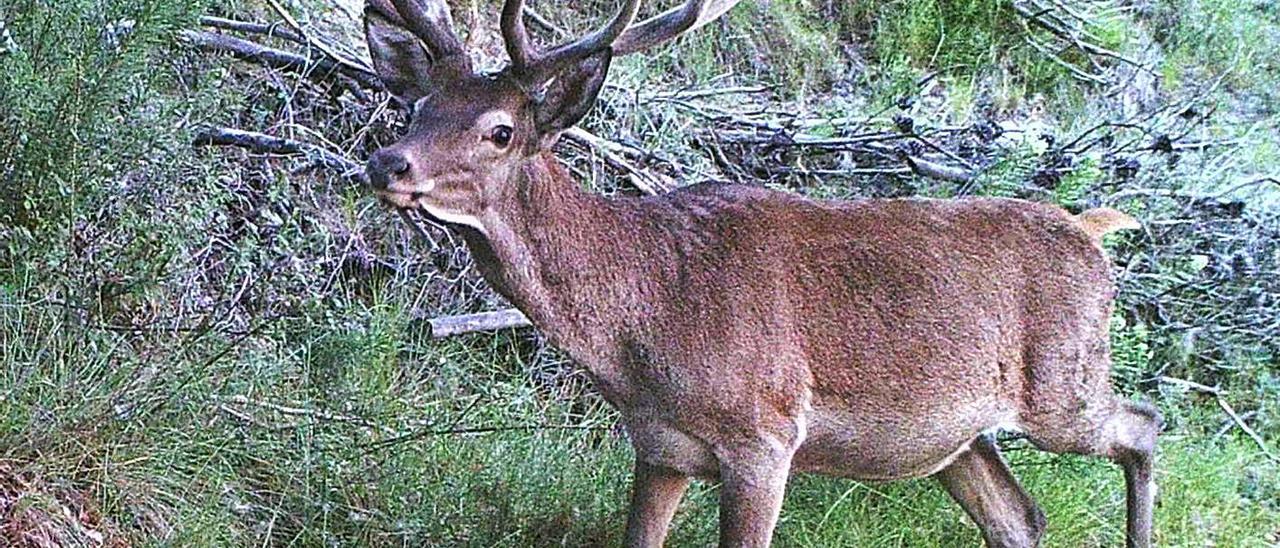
(655,494)
(1125,432)
(980,480)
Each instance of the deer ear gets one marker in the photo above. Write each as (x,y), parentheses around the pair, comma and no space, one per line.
(570,95)
(399,58)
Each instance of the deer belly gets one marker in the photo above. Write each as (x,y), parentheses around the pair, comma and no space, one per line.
(851,446)
(659,444)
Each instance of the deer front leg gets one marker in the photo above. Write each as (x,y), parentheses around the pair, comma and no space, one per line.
(751,490)
(980,480)
(656,492)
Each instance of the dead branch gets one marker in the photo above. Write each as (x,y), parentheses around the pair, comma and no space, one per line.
(934,170)
(545,23)
(1070,33)
(350,79)
(614,154)
(473,323)
(268,144)
(871,142)
(1220,396)
(313,42)
(270,30)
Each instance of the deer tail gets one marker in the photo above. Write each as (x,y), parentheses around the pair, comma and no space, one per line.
(1104,220)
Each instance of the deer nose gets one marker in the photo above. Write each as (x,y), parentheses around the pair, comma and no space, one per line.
(385,166)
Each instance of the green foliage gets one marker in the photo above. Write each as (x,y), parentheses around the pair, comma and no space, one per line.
(1131,353)
(967,44)
(77,107)
(1219,41)
(1010,171)
(1077,182)
(783,42)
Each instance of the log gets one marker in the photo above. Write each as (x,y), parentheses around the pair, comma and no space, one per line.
(473,323)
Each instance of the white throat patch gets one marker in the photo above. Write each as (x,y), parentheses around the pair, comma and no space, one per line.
(455,218)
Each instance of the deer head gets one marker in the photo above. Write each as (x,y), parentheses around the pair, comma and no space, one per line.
(470,131)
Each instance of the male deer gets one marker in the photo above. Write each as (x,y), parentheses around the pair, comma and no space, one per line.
(744,333)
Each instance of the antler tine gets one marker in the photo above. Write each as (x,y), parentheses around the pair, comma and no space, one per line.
(516,37)
(431,22)
(670,24)
(536,67)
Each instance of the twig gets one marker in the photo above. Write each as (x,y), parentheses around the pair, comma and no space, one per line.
(702,93)
(613,153)
(483,430)
(301,412)
(418,231)
(1087,48)
(545,23)
(267,144)
(317,44)
(1222,402)
(1219,395)
(272,30)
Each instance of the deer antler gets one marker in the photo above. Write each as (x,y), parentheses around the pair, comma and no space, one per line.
(432,23)
(670,24)
(536,67)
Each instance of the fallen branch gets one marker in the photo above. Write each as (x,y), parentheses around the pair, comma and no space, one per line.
(1071,35)
(474,323)
(268,144)
(864,142)
(935,170)
(311,41)
(1220,396)
(271,30)
(314,68)
(545,23)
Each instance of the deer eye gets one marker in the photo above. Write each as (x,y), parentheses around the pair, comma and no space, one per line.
(501,136)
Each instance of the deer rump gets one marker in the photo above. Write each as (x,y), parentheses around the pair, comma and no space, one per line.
(886,335)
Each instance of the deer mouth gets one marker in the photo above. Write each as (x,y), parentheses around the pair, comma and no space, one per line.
(401,200)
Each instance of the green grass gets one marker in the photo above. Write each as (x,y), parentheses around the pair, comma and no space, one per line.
(214,452)
(976,49)
(784,42)
(1218,40)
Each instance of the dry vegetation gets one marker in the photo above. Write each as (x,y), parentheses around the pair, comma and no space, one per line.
(224,345)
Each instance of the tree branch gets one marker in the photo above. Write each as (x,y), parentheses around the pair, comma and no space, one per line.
(313,68)
(269,144)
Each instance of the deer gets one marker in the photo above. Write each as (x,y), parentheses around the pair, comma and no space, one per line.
(746,334)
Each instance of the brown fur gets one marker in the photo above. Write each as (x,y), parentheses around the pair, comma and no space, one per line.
(746,333)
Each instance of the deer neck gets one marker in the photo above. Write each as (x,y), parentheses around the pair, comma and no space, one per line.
(553,250)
